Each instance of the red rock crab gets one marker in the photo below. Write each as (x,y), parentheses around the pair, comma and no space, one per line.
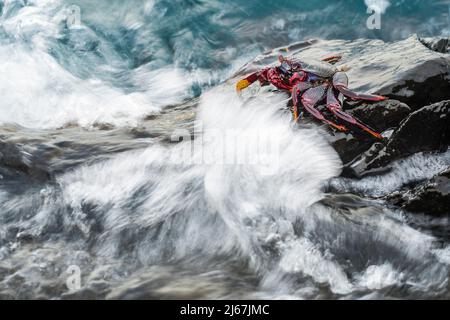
(310,82)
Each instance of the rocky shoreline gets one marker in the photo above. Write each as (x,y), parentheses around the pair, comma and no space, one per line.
(51,222)
(415,75)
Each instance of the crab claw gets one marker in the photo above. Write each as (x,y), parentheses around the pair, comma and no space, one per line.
(241,85)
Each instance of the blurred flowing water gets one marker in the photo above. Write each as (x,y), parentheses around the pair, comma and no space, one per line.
(91,106)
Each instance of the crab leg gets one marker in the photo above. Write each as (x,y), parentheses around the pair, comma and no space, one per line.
(340,82)
(244,83)
(297,91)
(335,107)
(310,99)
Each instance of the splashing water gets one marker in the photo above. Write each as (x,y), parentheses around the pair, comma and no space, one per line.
(378,6)
(416,168)
(143,217)
(142,208)
(139,54)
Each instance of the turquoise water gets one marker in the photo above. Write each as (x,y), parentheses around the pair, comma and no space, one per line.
(206,37)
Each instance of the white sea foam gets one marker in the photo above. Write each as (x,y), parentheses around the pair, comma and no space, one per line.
(415,168)
(379,277)
(38,92)
(239,208)
(305,258)
(443,255)
(379,6)
(236,192)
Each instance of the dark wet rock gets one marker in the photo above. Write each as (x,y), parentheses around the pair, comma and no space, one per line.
(434,89)
(431,197)
(425,130)
(441,45)
(169,282)
(15,160)
(382,115)
(50,289)
(346,202)
(4,272)
(104,126)
(11,156)
(270,57)
(356,169)
(7,296)
(25,237)
(142,133)
(83,294)
(406,70)
(152,117)
(349,147)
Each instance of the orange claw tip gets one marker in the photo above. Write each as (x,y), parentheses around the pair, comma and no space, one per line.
(340,128)
(376,135)
(242,85)
(379,136)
